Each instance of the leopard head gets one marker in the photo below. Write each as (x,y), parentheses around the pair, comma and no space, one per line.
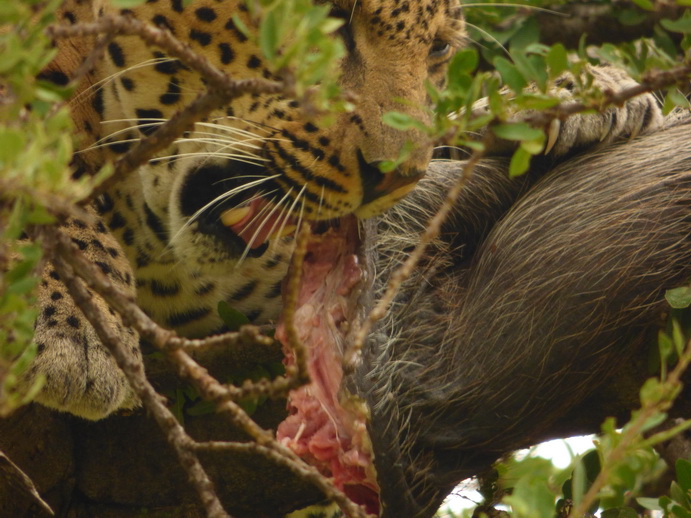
(244,173)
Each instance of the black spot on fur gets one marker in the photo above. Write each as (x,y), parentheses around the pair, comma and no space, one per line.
(116,54)
(142,259)
(254,62)
(128,236)
(81,244)
(253,315)
(104,267)
(56,295)
(127,83)
(204,38)
(227,54)
(119,147)
(172,95)
(179,319)
(239,35)
(177,5)
(155,224)
(49,311)
(205,288)
(273,262)
(143,115)
(55,77)
(54,275)
(73,321)
(162,22)
(275,291)
(97,102)
(168,67)
(104,204)
(205,14)
(117,221)
(245,291)
(164,290)
(97,245)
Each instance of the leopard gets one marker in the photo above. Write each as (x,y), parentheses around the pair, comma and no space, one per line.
(205,224)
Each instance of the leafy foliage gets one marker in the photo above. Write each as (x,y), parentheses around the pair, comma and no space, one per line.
(34,155)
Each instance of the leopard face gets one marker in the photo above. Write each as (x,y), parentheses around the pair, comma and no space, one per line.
(212,218)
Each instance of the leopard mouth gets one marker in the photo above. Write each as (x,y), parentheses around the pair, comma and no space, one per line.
(257,221)
(327,425)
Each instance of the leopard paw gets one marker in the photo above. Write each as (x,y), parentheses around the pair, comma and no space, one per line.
(641,114)
(79,374)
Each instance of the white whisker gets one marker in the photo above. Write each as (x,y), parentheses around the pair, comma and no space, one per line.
(237,157)
(220,198)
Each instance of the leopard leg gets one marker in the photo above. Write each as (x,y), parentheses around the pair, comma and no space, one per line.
(79,374)
(638,115)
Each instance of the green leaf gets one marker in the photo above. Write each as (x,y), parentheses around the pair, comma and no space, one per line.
(631,17)
(682,24)
(651,391)
(678,494)
(517,131)
(683,469)
(665,346)
(269,35)
(557,59)
(23,286)
(520,162)
(534,146)
(649,503)
(510,74)
(645,4)
(464,62)
(13,144)
(400,121)
(679,512)
(679,298)
(678,337)
(232,318)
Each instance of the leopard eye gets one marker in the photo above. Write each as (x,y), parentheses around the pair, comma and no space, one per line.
(439,49)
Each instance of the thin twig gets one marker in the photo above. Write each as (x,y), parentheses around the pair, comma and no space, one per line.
(403,272)
(299,370)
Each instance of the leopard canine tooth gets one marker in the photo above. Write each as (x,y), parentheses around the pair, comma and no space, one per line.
(552,135)
(234,216)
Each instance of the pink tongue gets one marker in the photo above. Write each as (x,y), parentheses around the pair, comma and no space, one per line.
(254,230)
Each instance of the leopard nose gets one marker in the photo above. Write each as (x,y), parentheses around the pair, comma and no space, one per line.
(377,184)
